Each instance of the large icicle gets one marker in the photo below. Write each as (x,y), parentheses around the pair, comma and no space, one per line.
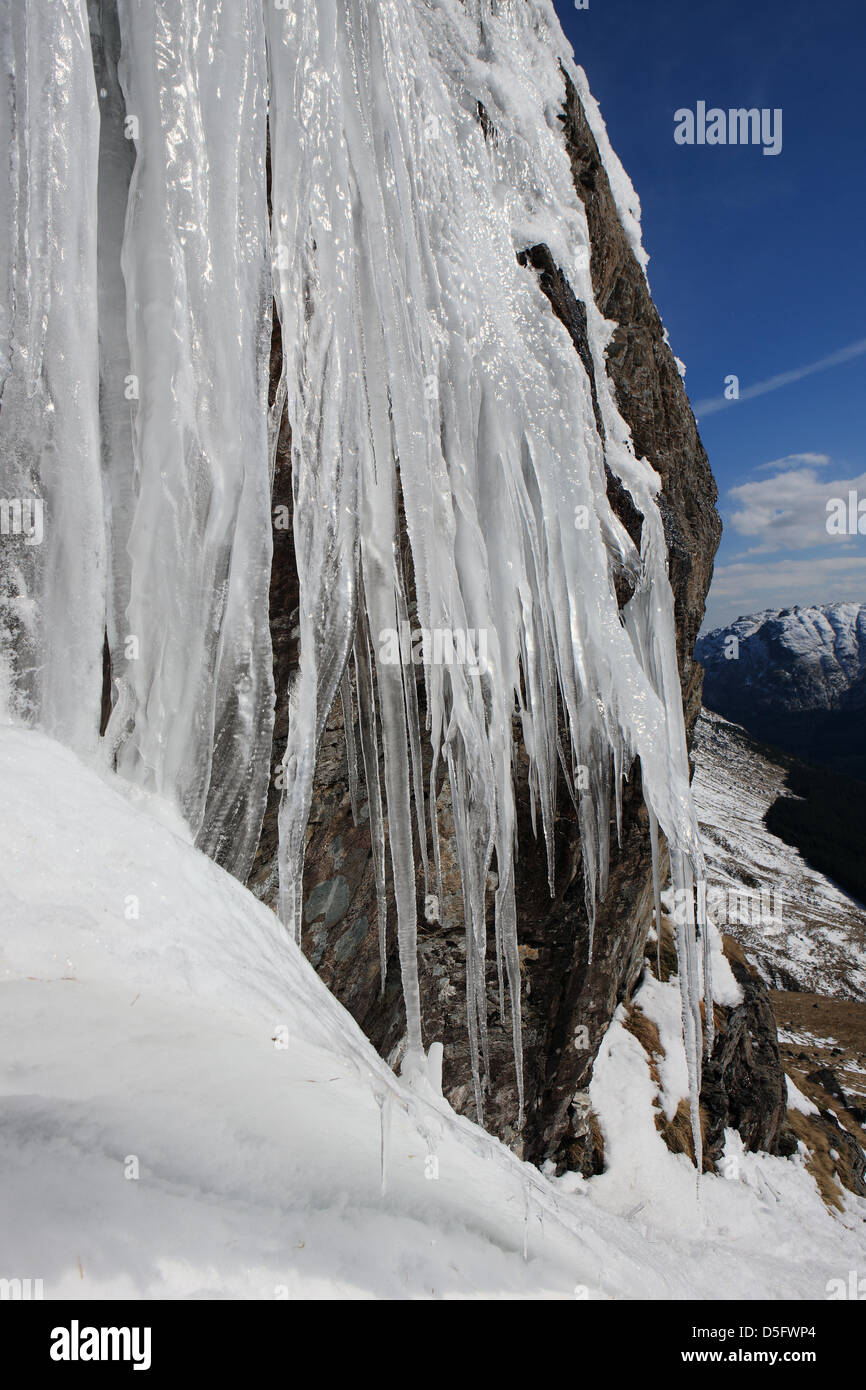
(193,719)
(118,389)
(52,554)
(416,153)
(313,235)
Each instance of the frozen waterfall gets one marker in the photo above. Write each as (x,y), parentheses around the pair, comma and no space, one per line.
(415,151)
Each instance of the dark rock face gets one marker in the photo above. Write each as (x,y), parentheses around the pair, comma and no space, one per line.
(743,1083)
(567,1002)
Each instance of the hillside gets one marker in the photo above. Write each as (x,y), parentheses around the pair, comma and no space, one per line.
(814,937)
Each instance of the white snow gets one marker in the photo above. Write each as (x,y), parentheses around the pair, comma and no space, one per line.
(156,1040)
(797,1101)
(759,1214)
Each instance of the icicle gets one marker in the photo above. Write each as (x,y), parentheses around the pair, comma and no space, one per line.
(434,825)
(118,387)
(413,725)
(684,917)
(383,1100)
(351,746)
(317,306)
(427,347)
(197,674)
(379,595)
(52,546)
(432,397)
(370,752)
(657,899)
(506,917)
(705,929)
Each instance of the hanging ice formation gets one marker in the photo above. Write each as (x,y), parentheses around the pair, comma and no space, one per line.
(415,151)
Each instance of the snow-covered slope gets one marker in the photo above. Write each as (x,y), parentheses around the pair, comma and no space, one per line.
(814,937)
(789,659)
(186,1111)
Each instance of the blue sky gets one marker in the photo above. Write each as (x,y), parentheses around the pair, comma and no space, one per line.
(757,263)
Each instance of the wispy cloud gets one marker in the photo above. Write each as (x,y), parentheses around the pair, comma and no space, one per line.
(774,383)
(790,461)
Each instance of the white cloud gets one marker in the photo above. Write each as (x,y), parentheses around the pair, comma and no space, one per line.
(748,586)
(789,511)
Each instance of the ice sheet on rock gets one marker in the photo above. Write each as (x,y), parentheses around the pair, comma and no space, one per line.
(416,151)
(52,563)
(193,719)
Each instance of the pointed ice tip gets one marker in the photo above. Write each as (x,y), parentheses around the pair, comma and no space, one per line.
(435,1058)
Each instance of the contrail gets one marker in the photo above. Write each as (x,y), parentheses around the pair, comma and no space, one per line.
(714,403)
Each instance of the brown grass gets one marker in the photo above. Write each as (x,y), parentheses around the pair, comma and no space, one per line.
(819,1163)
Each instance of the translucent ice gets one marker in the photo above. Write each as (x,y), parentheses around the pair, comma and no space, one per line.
(416,154)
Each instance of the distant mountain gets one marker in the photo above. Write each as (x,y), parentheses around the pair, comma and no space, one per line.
(796,679)
(773,827)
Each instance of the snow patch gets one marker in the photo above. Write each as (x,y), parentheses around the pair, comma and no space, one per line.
(797,1101)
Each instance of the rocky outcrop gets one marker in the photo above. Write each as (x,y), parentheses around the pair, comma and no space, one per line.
(823,1047)
(743,1081)
(567,1002)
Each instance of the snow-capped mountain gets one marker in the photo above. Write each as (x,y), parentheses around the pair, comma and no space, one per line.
(790,658)
(798,928)
(795,678)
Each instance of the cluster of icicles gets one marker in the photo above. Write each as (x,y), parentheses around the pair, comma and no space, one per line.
(139,268)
